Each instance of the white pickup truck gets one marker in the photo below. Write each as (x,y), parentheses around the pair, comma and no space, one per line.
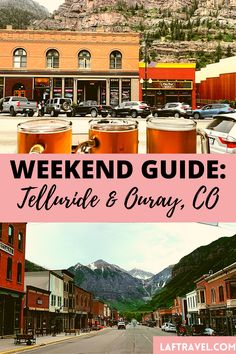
(15,104)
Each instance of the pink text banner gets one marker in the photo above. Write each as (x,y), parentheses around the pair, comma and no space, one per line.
(193,345)
(117,188)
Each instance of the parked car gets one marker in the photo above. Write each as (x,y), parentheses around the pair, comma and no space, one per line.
(131,108)
(209,332)
(15,105)
(164,325)
(221,132)
(121,325)
(211,110)
(175,109)
(57,105)
(92,108)
(169,327)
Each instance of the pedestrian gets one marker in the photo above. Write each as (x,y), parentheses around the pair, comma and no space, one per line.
(39,109)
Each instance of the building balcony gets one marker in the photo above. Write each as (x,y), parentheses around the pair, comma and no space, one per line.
(231,303)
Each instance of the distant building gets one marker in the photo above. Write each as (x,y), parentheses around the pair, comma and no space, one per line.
(12,260)
(83,308)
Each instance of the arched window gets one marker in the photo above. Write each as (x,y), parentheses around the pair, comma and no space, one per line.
(20,241)
(19,273)
(115,60)
(9,268)
(52,58)
(10,234)
(19,58)
(84,59)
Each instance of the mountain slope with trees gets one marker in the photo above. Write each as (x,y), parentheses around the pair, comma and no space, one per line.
(212,257)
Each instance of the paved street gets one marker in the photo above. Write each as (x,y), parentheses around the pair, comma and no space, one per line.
(109,341)
(8,131)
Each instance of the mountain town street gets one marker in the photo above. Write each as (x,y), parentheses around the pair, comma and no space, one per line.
(108,341)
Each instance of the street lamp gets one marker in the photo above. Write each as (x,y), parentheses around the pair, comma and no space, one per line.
(145,80)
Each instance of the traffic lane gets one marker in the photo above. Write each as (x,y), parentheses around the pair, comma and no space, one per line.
(136,340)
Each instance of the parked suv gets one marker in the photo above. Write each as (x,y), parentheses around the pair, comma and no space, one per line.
(175,109)
(56,106)
(222,134)
(211,110)
(131,108)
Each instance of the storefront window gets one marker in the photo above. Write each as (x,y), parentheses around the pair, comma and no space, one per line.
(114,92)
(103,92)
(69,84)
(41,88)
(126,90)
(57,87)
(80,91)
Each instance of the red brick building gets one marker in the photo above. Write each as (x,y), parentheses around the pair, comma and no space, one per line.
(83,308)
(12,260)
(36,311)
(98,312)
(161,83)
(217,299)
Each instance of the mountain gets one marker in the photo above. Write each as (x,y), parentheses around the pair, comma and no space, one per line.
(140,274)
(173,30)
(159,281)
(212,257)
(108,281)
(20,14)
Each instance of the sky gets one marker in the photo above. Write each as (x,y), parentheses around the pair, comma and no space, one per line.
(51,5)
(147,246)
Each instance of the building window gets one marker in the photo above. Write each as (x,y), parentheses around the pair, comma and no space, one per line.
(202,297)
(115,60)
(10,234)
(19,58)
(53,300)
(19,273)
(221,293)
(9,268)
(59,301)
(20,241)
(52,58)
(213,295)
(84,59)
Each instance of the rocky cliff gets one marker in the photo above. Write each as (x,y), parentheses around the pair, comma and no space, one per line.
(179,30)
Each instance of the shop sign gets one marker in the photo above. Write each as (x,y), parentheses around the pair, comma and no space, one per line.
(6,248)
(170,85)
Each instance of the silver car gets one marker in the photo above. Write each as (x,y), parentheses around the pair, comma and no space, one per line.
(222,134)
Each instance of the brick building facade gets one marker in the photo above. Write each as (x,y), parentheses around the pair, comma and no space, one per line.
(98,66)
(12,260)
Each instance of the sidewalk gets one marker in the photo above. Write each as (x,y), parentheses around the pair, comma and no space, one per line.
(7,345)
